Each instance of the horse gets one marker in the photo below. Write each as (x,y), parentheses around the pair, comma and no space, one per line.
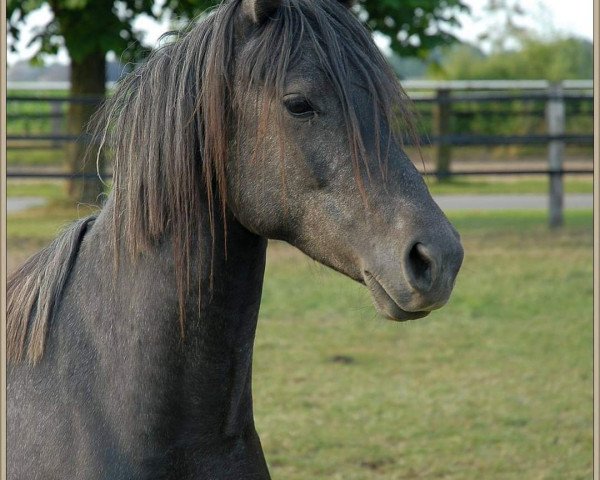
(130,337)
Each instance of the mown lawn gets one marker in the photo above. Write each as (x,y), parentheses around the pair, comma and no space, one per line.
(487,186)
(48,189)
(496,385)
(17,158)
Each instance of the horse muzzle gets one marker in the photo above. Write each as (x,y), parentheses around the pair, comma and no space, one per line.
(424,282)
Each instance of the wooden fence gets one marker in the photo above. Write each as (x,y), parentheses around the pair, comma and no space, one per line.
(440,104)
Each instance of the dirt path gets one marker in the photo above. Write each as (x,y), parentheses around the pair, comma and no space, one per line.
(18,204)
(510,202)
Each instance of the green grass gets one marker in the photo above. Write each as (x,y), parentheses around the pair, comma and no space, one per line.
(496,385)
(42,224)
(38,93)
(475,186)
(35,157)
(50,190)
(18,125)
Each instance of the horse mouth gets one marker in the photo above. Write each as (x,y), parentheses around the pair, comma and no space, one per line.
(385,304)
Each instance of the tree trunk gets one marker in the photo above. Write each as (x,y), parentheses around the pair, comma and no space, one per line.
(88,78)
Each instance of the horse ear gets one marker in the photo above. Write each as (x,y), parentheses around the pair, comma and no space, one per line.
(259,11)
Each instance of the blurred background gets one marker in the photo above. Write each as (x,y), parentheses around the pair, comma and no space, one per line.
(498,384)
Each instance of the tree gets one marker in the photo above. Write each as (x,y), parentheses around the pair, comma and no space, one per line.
(89,29)
(556,59)
(415,27)
(503,30)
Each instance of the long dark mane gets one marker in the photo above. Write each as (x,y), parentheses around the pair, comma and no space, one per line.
(170,125)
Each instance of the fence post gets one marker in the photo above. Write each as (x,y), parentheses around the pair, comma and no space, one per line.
(555,119)
(441,126)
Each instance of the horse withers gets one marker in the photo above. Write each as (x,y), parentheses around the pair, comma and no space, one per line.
(130,337)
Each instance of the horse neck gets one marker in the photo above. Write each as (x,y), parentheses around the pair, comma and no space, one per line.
(205,376)
(222,334)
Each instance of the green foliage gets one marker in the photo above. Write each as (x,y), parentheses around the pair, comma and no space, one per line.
(189,9)
(556,59)
(414,27)
(503,24)
(85,26)
(49,190)
(483,186)
(89,26)
(537,58)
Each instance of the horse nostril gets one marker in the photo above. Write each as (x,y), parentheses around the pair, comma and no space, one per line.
(420,267)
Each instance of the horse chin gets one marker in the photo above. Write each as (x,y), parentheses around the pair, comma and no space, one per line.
(386,305)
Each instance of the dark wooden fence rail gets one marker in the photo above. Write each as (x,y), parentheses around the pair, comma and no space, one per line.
(437,102)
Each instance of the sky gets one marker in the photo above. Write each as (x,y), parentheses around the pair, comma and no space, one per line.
(544,16)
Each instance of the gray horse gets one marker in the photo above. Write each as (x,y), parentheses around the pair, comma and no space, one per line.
(130,337)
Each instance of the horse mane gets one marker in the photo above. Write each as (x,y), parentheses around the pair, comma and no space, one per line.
(168,126)
(169,123)
(34,290)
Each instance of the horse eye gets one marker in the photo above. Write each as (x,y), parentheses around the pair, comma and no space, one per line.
(298,106)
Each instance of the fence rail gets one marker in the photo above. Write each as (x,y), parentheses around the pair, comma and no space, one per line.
(440,103)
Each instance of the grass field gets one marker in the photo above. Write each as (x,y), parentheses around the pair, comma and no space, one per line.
(487,186)
(36,157)
(496,385)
